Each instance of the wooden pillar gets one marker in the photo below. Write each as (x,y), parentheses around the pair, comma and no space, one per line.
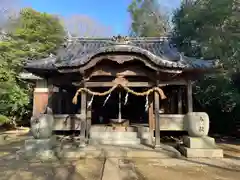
(189,96)
(52,91)
(60,101)
(151,117)
(180,101)
(157,118)
(67,104)
(40,97)
(172,102)
(89,117)
(83,120)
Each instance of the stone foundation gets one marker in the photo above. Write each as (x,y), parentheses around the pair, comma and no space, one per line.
(201,153)
(199,142)
(39,148)
(200,147)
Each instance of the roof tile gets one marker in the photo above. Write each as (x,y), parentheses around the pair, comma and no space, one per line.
(159,50)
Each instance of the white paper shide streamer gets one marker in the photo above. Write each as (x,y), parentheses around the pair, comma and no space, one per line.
(90,102)
(126,99)
(106,99)
(146,104)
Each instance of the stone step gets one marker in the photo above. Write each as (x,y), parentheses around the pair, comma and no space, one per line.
(110,129)
(116,142)
(143,135)
(119,135)
(116,139)
(114,135)
(115,152)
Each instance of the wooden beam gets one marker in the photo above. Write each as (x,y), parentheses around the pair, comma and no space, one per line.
(172,102)
(180,101)
(110,84)
(131,84)
(89,116)
(174,82)
(157,123)
(157,118)
(189,96)
(60,101)
(151,117)
(83,123)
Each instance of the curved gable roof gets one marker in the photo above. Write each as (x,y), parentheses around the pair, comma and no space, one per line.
(80,59)
(159,51)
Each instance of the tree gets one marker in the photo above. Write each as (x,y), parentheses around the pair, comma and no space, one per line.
(209,29)
(147,18)
(32,35)
(84,26)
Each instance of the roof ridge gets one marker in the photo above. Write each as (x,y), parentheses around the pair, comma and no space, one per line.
(76,39)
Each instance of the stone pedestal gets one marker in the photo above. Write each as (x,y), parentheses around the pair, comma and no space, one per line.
(204,142)
(200,147)
(40,148)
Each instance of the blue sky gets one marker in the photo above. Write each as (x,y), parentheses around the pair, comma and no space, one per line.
(111,13)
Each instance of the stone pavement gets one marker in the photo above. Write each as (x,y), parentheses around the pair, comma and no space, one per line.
(162,169)
(116,168)
(143,164)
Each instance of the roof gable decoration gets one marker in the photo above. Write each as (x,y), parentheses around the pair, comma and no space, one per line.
(121,40)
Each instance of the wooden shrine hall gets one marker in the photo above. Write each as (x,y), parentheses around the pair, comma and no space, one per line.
(117,83)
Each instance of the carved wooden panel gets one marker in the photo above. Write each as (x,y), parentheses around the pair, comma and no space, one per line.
(108,68)
(118,58)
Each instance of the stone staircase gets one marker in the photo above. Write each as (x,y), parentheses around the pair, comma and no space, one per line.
(107,135)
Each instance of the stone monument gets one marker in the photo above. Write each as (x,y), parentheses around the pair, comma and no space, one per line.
(198,144)
(43,142)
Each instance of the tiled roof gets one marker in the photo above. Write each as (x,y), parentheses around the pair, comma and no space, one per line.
(45,63)
(159,50)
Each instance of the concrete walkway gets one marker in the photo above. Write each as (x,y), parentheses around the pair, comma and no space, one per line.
(111,170)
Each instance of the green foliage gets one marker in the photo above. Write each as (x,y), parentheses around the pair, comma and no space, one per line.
(38,34)
(213,26)
(210,29)
(4,119)
(32,35)
(147,20)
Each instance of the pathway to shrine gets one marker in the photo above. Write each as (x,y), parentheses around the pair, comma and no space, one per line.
(116,168)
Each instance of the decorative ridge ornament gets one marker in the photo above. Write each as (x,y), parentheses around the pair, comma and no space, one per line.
(121,39)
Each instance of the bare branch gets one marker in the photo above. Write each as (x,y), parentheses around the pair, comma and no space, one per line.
(84,26)
(9,8)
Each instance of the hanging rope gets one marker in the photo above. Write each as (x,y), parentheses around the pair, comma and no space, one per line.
(92,92)
(145,93)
